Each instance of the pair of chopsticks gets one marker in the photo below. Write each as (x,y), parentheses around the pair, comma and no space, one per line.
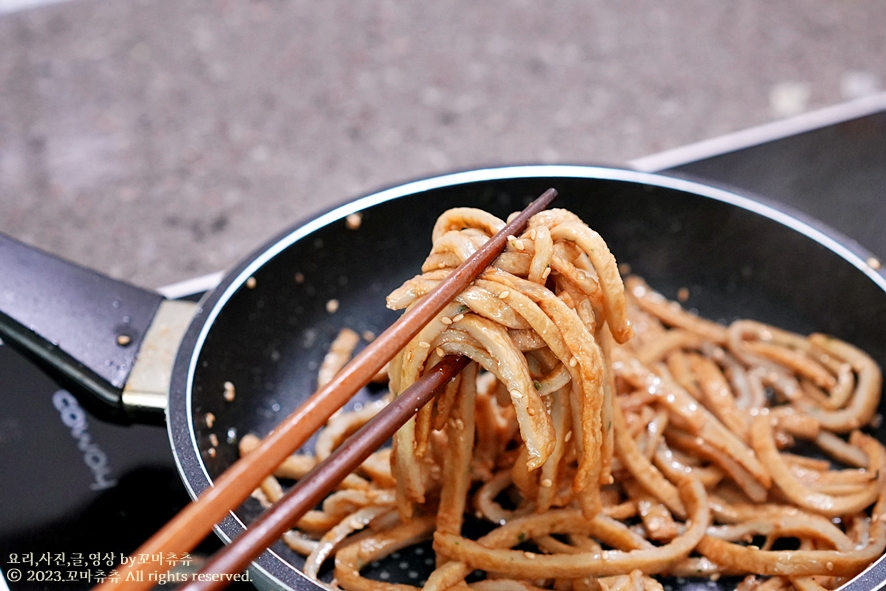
(196,520)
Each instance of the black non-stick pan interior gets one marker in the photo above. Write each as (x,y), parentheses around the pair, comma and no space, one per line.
(267,335)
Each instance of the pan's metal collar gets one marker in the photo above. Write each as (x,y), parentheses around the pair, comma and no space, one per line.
(148,387)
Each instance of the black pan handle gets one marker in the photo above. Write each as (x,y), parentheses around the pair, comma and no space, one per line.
(83,327)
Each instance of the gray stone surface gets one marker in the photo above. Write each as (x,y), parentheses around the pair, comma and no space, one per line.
(160,140)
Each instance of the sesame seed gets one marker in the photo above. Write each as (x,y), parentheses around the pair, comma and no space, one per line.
(518,244)
(250,283)
(210,419)
(439,352)
(573,362)
(230,392)
(213,439)
(568,436)
(446,320)
(424,345)
(874,263)
(458,317)
(545,273)
(516,394)
(353,221)
(332,306)
(547,483)
(504,294)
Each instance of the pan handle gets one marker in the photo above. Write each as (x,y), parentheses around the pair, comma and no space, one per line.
(84,328)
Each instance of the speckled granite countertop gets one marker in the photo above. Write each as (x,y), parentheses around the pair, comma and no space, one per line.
(160,140)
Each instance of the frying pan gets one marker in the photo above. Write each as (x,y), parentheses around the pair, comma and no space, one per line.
(266,327)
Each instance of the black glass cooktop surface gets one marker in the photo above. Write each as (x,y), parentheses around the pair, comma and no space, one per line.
(76,493)
(836,174)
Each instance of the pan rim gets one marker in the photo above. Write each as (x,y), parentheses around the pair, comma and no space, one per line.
(181,428)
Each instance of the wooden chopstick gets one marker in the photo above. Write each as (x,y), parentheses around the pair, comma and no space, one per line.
(229,490)
(320,481)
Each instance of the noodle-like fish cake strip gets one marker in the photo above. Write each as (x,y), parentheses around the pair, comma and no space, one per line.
(585,358)
(864,401)
(511,369)
(414,288)
(488,553)
(717,396)
(807,584)
(561,417)
(489,306)
(701,422)
(325,546)
(740,332)
(406,368)
(543,245)
(341,426)
(503,585)
(460,244)
(672,313)
(607,272)
(699,446)
(352,558)
(796,361)
(657,520)
(456,465)
(299,542)
(378,468)
(800,526)
(803,496)
(792,562)
(339,354)
(841,450)
(666,460)
(459,218)
(642,469)
(673,340)
(678,366)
